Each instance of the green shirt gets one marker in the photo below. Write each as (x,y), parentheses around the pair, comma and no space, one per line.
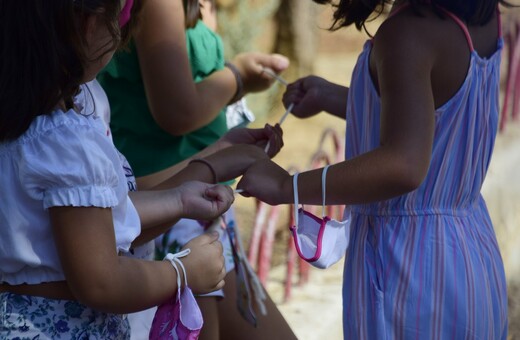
(147,147)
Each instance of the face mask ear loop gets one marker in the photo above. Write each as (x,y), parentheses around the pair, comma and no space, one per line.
(174,265)
(324,189)
(295,190)
(175,260)
(179,262)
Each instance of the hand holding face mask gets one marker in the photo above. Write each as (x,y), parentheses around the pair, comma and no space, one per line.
(179,317)
(319,241)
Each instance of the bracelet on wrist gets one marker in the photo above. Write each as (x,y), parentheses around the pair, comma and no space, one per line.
(208,164)
(240,84)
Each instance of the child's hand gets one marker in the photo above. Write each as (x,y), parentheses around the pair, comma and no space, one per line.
(202,201)
(233,161)
(268,182)
(308,94)
(250,66)
(259,137)
(205,264)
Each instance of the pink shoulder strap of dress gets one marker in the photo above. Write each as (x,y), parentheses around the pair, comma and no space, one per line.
(458,21)
(462,26)
(465,28)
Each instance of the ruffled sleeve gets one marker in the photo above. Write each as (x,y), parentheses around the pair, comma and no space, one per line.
(72,163)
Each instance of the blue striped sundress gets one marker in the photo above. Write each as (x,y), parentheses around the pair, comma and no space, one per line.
(426,265)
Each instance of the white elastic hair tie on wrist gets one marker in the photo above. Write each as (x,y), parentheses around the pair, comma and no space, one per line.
(175,260)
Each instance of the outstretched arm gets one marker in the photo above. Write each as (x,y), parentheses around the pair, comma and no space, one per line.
(231,162)
(403,65)
(160,209)
(178,104)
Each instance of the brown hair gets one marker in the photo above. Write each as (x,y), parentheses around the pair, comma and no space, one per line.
(357,12)
(43,54)
(192,12)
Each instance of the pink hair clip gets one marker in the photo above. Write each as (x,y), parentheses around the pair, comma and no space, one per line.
(124,17)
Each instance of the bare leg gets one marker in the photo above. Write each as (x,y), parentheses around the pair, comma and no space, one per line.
(208,307)
(232,326)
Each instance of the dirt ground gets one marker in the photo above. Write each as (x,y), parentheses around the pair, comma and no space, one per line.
(337,55)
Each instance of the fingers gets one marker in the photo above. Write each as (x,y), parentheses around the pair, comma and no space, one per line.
(275,142)
(274,75)
(218,244)
(221,277)
(219,192)
(206,238)
(271,65)
(293,94)
(260,134)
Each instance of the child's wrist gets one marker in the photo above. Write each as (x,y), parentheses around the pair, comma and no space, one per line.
(239,93)
(287,190)
(179,266)
(172,202)
(208,166)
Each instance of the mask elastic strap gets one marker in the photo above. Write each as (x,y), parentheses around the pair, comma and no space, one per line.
(295,190)
(175,260)
(324,188)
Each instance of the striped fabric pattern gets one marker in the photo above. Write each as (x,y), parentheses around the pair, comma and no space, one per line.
(426,265)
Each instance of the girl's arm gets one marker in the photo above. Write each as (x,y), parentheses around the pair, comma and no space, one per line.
(159,210)
(253,137)
(403,61)
(102,280)
(226,165)
(312,95)
(178,104)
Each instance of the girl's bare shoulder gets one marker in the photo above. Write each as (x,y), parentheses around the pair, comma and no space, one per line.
(407,37)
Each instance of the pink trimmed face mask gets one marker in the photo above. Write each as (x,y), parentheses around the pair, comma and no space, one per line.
(180,317)
(319,241)
(125,15)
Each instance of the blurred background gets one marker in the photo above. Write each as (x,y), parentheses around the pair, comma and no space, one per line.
(298,30)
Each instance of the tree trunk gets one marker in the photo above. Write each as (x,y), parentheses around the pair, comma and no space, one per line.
(297,35)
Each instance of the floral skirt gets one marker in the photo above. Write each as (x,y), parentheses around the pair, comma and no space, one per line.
(31,317)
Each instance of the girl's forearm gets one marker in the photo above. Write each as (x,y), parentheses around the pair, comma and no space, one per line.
(165,179)
(177,103)
(148,283)
(157,208)
(96,275)
(227,162)
(336,103)
(375,176)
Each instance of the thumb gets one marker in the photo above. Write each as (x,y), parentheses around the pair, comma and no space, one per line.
(219,192)
(258,134)
(278,62)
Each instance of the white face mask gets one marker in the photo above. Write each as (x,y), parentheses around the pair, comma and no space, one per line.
(319,241)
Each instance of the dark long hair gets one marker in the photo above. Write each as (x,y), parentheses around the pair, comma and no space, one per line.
(43,55)
(358,12)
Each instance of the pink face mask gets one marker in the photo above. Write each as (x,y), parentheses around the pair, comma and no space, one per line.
(319,241)
(179,317)
(125,15)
